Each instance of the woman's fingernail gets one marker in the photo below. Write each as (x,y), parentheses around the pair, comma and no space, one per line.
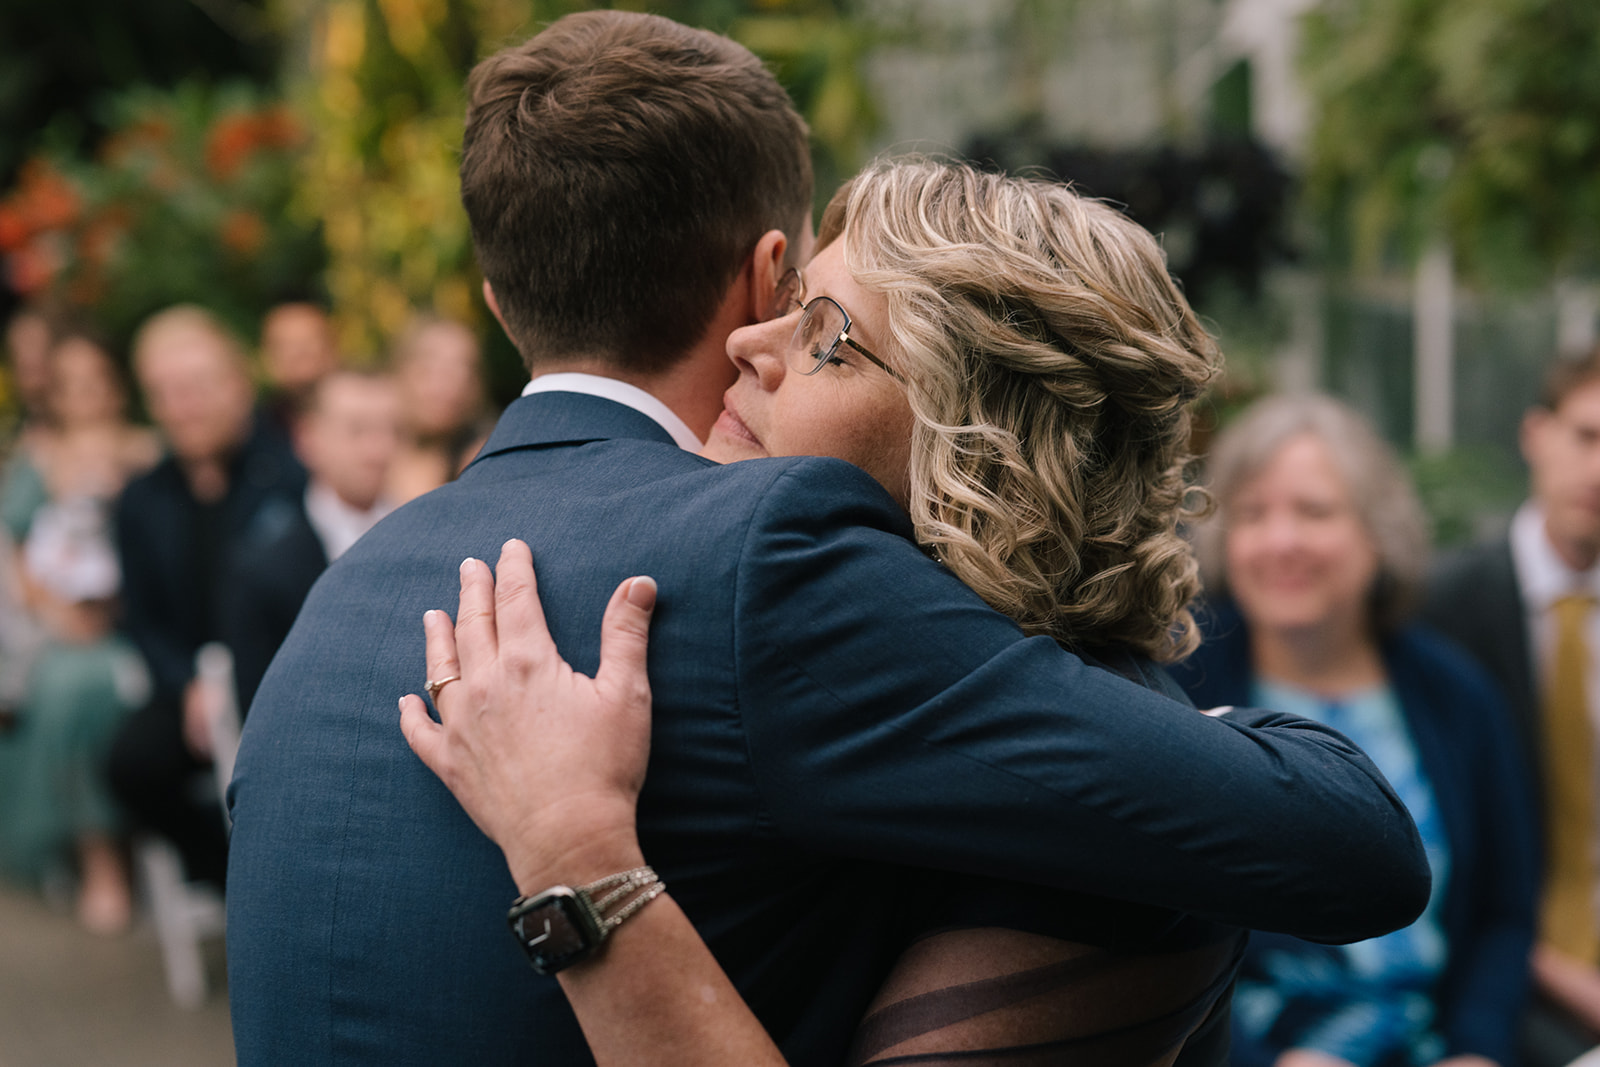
(642,593)
(402,703)
(467,561)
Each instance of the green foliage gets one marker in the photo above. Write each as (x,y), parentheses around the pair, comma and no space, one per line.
(191,198)
(1460,487)
(1477,120)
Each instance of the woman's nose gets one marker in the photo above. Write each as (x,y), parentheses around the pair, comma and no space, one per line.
(761,350)
(1282,531)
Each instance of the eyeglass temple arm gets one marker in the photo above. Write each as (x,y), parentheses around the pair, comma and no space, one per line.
(851,341)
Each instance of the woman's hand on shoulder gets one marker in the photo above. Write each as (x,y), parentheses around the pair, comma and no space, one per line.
(1309,1057)
(548,762)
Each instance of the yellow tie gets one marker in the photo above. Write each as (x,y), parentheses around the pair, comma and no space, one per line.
(1567,920)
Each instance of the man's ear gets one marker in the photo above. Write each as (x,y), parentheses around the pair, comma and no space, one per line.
(494,307)
(1534,423)
(766,267)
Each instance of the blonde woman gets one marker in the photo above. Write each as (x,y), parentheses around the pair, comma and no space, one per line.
(1014,366)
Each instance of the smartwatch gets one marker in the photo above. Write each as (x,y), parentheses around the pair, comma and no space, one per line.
(563,926)
(556,929)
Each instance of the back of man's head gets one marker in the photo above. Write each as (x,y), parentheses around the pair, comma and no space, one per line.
(617,170)
(1567,375)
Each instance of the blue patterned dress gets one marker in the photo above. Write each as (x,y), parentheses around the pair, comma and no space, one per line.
(1372,1002)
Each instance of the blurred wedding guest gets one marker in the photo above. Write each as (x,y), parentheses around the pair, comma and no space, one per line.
(1315,557)
(298,349)
(28,339)
(1524,605)
(56,502)
(175,528)
(347,438)
(438,364)
(27,343)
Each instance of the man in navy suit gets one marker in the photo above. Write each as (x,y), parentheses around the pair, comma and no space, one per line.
(834,713)
(346,434)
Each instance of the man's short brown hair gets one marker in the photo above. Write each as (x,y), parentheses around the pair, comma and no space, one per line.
(617,169)
(1567,374)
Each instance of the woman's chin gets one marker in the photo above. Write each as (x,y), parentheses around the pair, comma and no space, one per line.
(720,451)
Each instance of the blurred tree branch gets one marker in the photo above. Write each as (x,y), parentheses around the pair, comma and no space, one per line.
(1475,121)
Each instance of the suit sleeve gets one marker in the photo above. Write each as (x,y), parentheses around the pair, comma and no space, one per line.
(891,715)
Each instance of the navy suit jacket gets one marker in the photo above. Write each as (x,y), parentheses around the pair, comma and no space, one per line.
(831,707)
(1462,732)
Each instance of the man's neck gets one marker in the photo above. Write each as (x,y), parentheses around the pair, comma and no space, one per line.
(1578,555)
(316,486)
(691,388)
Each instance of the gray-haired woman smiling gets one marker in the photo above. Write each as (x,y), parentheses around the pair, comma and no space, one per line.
(1316,554)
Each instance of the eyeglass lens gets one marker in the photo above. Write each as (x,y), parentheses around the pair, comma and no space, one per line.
(817,336)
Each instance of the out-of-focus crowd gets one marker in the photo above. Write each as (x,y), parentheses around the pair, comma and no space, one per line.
(127,548)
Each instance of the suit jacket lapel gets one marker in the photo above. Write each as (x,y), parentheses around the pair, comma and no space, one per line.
(544,420)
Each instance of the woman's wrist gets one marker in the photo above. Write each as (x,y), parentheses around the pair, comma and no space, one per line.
(582,852)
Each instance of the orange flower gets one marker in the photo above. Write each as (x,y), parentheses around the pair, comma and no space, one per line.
(230,142)
(46,200)
(243,232)
(13,230)
(31,268)
(278,128)
(235,138)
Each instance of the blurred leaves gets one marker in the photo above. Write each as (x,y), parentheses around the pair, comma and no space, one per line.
(190,198)
(385,97)
(1465,487)
(1475,119)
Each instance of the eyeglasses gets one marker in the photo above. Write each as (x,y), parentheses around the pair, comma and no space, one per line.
(824,326)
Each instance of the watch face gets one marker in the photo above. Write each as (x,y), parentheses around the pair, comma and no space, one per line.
(555,929)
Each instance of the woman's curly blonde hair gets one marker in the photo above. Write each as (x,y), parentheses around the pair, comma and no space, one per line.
(1050,362)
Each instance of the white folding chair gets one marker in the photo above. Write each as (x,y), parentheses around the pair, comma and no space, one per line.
(186,913)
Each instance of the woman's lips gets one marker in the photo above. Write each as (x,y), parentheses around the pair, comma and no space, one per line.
(730,425)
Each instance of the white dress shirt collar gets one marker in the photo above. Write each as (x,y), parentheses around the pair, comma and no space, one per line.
(621,392)
(1541,572)
(337,524)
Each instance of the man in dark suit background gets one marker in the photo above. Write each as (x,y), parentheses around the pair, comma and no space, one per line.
(1500,600)
(176,527)
(347,435)
(832,709)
